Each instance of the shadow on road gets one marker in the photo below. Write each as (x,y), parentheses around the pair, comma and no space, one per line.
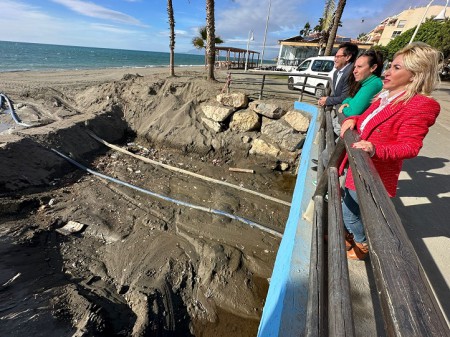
(427,217)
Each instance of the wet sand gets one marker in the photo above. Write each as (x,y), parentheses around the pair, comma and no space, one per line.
(140,264)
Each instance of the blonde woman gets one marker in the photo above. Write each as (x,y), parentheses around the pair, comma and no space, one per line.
(392,129)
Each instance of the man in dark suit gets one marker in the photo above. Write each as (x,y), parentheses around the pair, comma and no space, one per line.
(343,62)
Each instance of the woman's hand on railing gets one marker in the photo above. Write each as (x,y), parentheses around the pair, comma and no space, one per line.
(342,107)
(365,146)
(348,124)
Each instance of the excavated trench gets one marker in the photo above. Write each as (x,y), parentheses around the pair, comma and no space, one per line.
(140,265)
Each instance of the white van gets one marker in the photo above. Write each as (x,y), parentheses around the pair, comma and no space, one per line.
(319,66)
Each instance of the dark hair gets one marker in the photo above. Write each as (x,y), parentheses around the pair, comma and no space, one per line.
(374,58)
(350,49)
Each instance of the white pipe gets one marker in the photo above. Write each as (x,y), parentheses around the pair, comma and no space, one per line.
(176,169)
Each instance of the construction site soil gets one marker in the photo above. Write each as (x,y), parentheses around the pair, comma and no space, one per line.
(138,265)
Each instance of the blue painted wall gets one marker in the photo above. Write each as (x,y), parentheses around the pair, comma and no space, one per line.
(284,311)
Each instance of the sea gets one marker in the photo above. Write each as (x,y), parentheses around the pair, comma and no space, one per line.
(20,56)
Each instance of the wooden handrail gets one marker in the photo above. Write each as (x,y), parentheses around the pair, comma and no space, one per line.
(340,318)
(315,313)
(407,301)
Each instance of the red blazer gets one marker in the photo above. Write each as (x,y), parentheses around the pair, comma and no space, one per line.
(397,132)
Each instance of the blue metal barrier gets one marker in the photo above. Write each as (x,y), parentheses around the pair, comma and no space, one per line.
(284,311)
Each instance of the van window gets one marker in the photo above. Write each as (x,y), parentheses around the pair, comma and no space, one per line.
(304,65)
(322,65)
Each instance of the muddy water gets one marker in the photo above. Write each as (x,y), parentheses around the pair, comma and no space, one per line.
(143,264)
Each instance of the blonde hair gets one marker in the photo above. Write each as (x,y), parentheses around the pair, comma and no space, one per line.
(423,62)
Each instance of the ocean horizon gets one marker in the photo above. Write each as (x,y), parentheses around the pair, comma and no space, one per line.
(26,56)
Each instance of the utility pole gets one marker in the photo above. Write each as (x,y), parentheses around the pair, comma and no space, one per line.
(250,37)
(420,22)
(265,32)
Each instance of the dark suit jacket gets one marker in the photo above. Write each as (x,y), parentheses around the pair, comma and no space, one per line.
(340,93)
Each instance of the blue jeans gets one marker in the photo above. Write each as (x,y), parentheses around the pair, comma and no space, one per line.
(352,216)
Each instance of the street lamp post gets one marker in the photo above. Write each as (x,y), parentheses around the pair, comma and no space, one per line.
(441,15)
(420,22)
(250,37)
(265,33)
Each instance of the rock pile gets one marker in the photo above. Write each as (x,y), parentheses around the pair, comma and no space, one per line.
(271,130)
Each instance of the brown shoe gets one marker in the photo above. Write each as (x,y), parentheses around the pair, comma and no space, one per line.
(358,252)
(349,242)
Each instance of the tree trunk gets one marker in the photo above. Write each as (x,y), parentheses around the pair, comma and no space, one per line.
(172,37)
(334,28)
(210,40)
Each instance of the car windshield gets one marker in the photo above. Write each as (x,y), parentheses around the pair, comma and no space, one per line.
(304,65)
(322,65)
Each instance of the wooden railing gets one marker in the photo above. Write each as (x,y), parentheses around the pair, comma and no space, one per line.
(407,302)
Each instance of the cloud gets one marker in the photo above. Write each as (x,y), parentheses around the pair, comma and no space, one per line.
(13,9)
(234,21)
(111,29)
(95,11)
(178,33)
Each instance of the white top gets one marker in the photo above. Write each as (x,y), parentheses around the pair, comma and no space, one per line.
(339,75)
(385,100)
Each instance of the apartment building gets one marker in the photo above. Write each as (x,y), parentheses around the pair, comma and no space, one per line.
(395,25)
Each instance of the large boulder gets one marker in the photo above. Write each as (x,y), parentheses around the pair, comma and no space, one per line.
(236,100)
(297,120)
(245,120)
(217,112)
(280,132)
(261,147)
(268,110)
(213,125)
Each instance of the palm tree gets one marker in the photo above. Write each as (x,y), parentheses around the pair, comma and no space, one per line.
(306,30)
(334,27)
(199,42)
(325,22)
(172,37)
(328,11)
(210,39)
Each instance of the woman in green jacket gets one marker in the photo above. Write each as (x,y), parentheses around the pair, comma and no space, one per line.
(366,85)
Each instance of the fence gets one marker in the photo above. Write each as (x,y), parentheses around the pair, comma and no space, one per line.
(269,82)
(321,304)
(408,304)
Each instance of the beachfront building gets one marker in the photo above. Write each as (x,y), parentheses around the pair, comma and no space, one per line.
(395,25)
(295,49)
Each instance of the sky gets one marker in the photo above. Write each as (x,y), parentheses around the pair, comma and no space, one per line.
(143,24)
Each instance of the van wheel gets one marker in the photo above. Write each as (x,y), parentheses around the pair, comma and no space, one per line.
(291,83)
(320,91)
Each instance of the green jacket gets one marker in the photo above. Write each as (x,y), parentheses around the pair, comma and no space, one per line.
(361,101)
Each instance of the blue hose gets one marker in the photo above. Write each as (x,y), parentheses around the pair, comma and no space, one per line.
(11,110)
(178,202)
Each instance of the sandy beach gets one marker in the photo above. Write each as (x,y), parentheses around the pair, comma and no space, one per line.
(140,264)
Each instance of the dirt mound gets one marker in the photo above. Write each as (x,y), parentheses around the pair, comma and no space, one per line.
(142,264)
